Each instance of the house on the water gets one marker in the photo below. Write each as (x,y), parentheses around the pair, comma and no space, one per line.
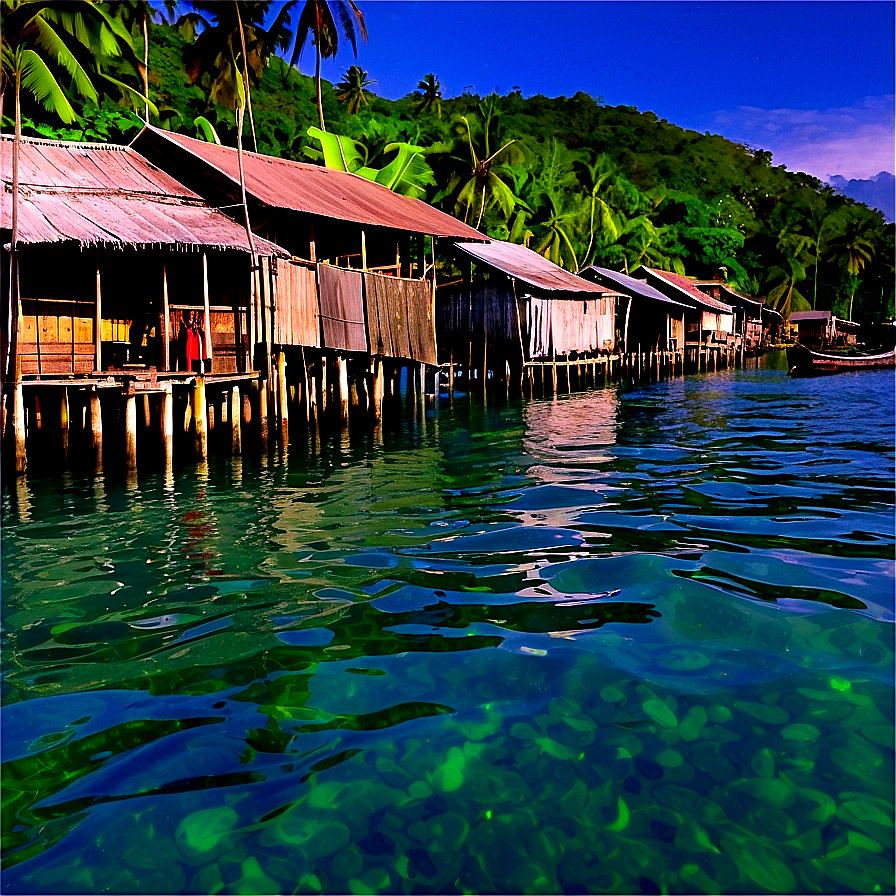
(756,324)
(817,329)
(515,308)
(359,255)
(647,320)
(122,278)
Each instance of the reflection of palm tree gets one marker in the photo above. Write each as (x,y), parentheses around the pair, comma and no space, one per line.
(351,90)
(429,93)
(317,18)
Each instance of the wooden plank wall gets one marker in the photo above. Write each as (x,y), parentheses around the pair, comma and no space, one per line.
(59,334)
(297,318)
(399,318)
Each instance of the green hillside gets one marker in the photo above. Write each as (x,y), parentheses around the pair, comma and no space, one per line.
(580,182)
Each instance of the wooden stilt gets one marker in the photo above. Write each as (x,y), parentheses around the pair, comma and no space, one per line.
(166,426)
(283,396)
(64,423)
(342,370)
(130,432)
(263,414)
(200,418)
(18,412)
(236,438)
(96,430)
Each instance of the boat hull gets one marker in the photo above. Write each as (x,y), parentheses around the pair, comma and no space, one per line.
(802,361)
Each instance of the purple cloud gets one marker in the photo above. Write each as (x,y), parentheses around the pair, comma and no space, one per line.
(855,142)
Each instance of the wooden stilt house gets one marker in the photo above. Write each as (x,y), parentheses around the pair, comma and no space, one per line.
(515,307)
(111,253)
(646,319)
(752,320)
(709,325)
(360,279)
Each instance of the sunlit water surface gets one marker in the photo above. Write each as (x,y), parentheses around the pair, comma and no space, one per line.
(636,640)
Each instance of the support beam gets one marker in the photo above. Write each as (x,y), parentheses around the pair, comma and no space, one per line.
(207,326)
(130,432)
(64,423)
(166,321)
(98,320)
(199,418)
(96,430)
(236,436)
(166,426)
(283,398)
(342,368)
(18,419)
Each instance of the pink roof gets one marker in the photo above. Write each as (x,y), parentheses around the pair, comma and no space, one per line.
(688,287)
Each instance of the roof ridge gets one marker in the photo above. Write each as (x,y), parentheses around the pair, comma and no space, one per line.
(74,144)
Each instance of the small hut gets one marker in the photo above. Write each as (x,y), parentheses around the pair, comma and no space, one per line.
(517,307)
(752,320)
(647,320)
(817,329)
(709,326)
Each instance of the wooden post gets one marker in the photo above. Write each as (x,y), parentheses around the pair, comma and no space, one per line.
(379,387)
(199,418)
(283,395)
(130,432)
(236,440)
(96,430)
(208,318)
(262,413)
(166,426)
(64,423)
(98,320)
(363,250)
(166,317)
(18,417)
(342,368)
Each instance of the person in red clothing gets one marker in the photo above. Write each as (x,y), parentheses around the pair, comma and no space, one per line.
(190,342)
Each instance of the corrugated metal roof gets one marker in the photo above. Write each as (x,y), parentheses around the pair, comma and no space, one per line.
(731,292)
(315,190)
(810,315)
(99,193)
(530,267)
(628,285)
(688,288)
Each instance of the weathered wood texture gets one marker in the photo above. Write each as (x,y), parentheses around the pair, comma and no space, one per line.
(399,318)
(342,315)
(297,320)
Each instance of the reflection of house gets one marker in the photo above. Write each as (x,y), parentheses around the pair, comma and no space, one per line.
(520,307)
(646,320)
(820,328)
(330,221)
(710,323)
(112,252)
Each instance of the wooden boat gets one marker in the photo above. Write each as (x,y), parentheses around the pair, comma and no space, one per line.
(802,361)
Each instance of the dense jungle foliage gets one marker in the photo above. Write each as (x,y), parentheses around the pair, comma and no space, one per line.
(578,181)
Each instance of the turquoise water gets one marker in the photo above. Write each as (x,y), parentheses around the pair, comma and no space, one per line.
(637,640)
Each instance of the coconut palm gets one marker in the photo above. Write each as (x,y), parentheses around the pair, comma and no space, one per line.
(429,95)
(351,90)
(782,279)
(853,248)
(318,20)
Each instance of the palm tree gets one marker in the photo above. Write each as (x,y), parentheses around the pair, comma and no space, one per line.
(351,89)
(556,242)
(318,18)
(429,93)
(854,248)
(782,279)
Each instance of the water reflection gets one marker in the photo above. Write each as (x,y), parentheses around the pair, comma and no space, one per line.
(652,625)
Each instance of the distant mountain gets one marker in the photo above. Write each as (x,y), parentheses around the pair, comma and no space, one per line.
(879,192)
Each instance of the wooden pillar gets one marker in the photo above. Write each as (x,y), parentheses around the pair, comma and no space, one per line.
(64,423)
(96,430)
(236,437)
(262,413)
(166,318)
(98,320)
(363,250)
(18,419)
(199,418)
(342,371)
(207,348)
(130,432)
(283,396)
(166,426)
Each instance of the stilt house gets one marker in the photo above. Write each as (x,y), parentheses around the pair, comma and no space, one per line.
(646,319)
(360,281)
(709,325)
(514,307)
(112,252)
(821,328)
(752,320)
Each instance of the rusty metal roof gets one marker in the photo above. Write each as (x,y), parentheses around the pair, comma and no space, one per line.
(628,285)
(94,193)
(523,264)
(313,189)
(686,286)
(737,297)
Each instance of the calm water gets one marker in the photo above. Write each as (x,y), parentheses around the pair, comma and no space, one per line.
(637,640)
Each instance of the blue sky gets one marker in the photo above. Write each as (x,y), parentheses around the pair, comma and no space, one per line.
(813,82)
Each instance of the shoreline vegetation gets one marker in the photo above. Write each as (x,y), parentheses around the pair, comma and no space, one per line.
(579,182)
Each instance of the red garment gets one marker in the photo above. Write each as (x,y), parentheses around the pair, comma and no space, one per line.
(194,346)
